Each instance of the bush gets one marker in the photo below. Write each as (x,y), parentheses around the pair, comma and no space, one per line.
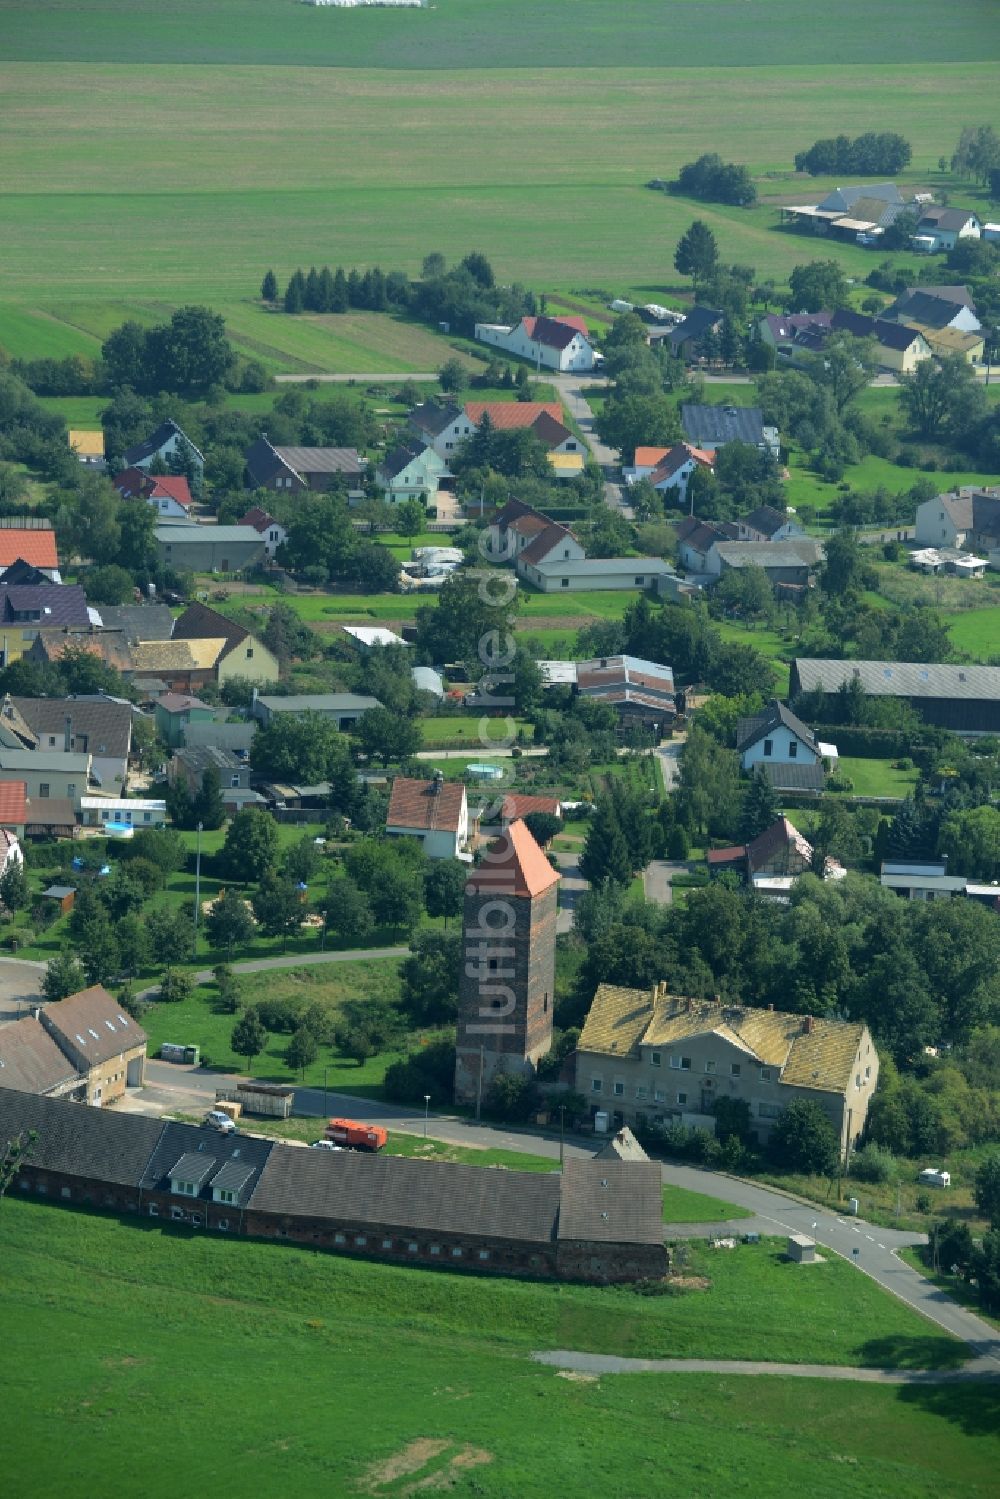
(803,1139)
(431,1070)
(874,1163)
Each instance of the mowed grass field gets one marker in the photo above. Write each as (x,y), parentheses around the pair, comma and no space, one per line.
(176,183)
(161,1359)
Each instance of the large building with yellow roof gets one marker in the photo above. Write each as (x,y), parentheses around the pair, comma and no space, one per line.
(649,1057)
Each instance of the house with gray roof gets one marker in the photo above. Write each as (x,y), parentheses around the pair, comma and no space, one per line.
(898,347)
(167,442)
(711,427)
(294,469)
(788,564)
(93,725)
(32,1062)
(778,737)
(411,471)
(964,517)
(210,549)
(941,228)
(964,699)
(935,307)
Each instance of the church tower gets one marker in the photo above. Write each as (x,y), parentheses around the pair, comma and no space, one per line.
(507,981)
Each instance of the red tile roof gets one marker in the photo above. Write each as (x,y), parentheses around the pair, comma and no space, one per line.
(36,547)
(511,416)
(12,802)
(516,806)
(513,865)
(258,518)
(173,485)
(426,806)
(649,457)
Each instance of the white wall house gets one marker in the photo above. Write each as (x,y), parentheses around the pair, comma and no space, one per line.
(558,576)
(551,343)
(944,227)
(776,736)
(410,471)
(436,812)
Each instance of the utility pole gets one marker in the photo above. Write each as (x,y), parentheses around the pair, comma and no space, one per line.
(197,887)
(427,1104)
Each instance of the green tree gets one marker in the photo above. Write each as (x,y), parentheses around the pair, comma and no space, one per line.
(63,976)
(229,923)
(251,845)
(803,1139)
(629,421)
(472,620)
(760,807)
(844,564)
(169,933)
(347,910)
(411,517)
(175,986)
(191,353)
(302,1051)
(429,978)
(14,886)
(818,286)
(444,888)
(987,1188)
(123,355)
(269,287)
(697,253)
(382,735)
(452,376)
(605,858)
(301,861)
(543,826)
(302,749)
(942,398)
(970,840)
(110,584)
(207,806)
(278,908)
(248,1037)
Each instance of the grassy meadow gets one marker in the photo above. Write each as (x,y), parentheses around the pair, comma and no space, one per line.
(143,1343)
(161,185)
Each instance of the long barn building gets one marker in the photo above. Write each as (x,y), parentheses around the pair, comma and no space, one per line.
(597,1220)
(964,699)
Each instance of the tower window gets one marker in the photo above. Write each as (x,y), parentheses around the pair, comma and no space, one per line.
(545,1005)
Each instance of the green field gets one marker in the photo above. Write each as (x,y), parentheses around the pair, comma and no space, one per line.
(976,632)
(139,1351)
(542,166)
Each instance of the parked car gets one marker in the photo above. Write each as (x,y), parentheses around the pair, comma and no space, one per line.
(325,1145)
(216,1119)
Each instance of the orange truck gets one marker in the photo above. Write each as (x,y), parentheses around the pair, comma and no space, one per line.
(354,1136)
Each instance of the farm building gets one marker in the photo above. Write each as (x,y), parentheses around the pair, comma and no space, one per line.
(295,469)
(344,708)
(595,1221)
(210,549)
(965,699)
(552,343)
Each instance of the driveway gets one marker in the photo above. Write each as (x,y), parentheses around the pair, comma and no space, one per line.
(570,388)
(571,887)
(669,755)
(656,879)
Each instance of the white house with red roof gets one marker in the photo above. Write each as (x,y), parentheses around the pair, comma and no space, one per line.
(169,494)
(552,343)
(270,530)
(436,812)
(32,540)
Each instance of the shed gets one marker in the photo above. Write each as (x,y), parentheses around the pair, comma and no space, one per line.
(64,894)
(801,1249)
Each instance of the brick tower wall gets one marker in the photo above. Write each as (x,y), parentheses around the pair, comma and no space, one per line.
(510,1035)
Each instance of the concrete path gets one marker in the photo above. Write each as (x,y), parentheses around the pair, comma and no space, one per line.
(570,388)
(657,877)
(294,960)
(606,1363)
(482,750)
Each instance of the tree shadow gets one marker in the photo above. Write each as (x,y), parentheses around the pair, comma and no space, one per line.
(973,1407)
(905,1351)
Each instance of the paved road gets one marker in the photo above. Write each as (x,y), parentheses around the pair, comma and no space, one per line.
(379,378)
(606,1363)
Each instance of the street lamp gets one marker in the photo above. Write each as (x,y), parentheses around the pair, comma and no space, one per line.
(427,1104)
(197,886)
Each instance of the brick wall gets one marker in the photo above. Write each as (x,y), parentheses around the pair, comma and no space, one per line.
(579,1259)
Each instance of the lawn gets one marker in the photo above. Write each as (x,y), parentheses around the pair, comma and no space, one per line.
(196,1022)
(876,777)
(132,1338)
(467,730)
(683,1206)
(976,632)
